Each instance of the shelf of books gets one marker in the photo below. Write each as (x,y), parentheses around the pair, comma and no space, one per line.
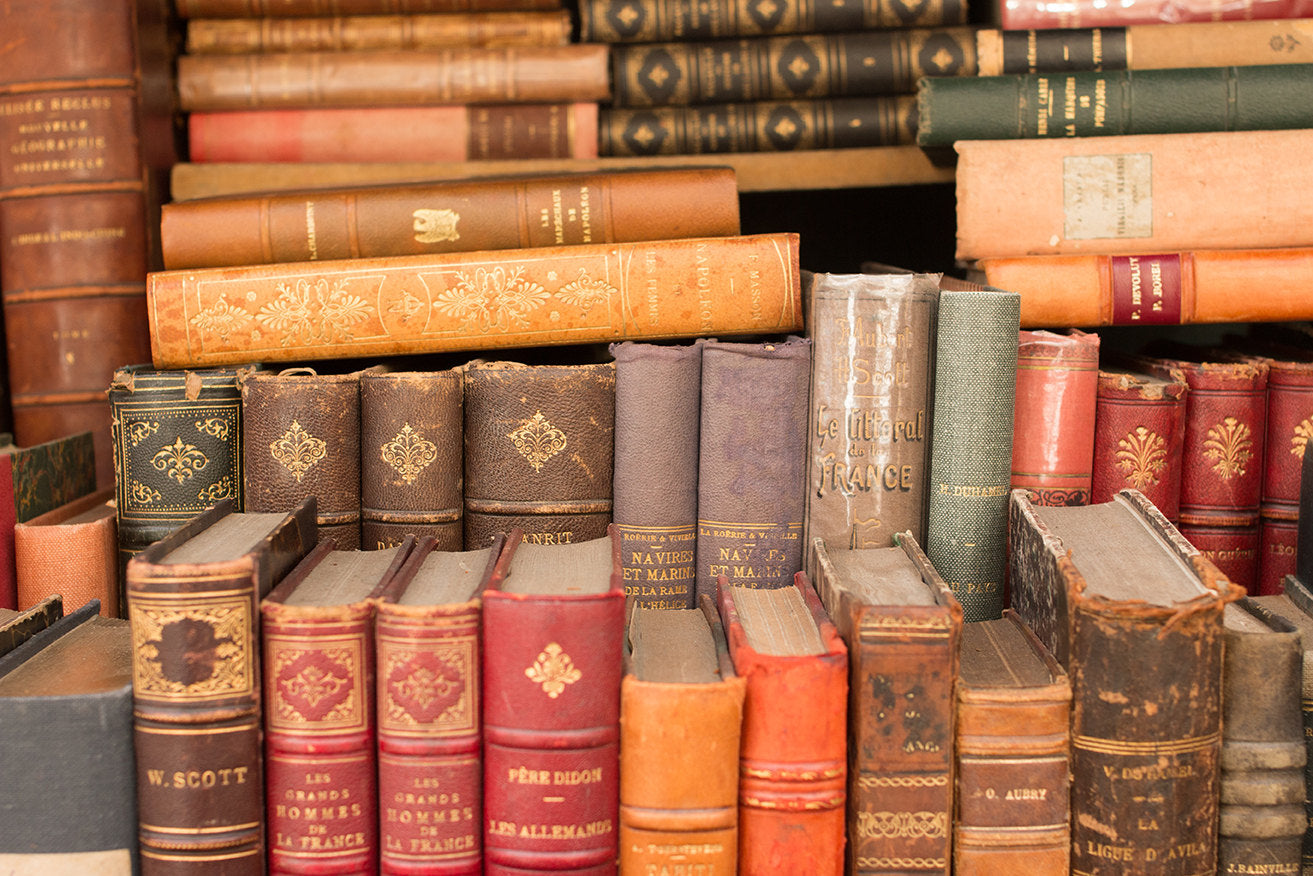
(443,478)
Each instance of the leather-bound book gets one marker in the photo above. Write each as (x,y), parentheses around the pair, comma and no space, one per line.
(793,771)
(681,716)
(16,627)
(1261,818)
(1134,614)
(449,132)
(880,61)
(301,438)
(1222,454)
(66,758)
(868,435)
(506,213)
(74,205)
(1139,432)
(971,443)
(752,463)
(427,637)
(238,36)
(411,428)
(758,126)
(194,603)
(536,296)
(73,551)
(553,631)
(177,448)
(655,480)
(33,481)
(539,444)
(1031,14)
(1013,751)
(903,628)
(1053,435)
(320,758)
(650,21)
(305,8)
(396,77)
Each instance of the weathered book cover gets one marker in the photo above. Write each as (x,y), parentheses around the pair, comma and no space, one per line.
(411,460)
(1134,613)
(303,8)
(553,627)
(72,551)
(194,603)
(681,716)
(302,438)
(320,759)
(428,637)
(655,482)
(872,384)
(1053,432)
(539,296)
(1139,432)
(971,443)
(1013,753)
(793,770)
(752,463)
(539,450)
(650,21)
(903,628)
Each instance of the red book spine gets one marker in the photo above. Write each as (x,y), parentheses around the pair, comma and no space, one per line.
(1139,430)
(1053,442)
(1036,14)
(551,692)
(429,739)
(1278,541)
(1233,549)
(793,763)
(1289,427)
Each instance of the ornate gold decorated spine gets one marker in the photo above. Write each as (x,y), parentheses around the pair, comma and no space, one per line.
(196,694)
(411,462)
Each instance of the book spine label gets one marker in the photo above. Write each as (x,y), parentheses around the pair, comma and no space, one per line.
(468,301)
(1278,546)
(869,426)
(655,481)
(1146,290)
(788,67)
(612,21)
(411,428)
(1033,51)
(1053,445)
(971,445)
(1139,429)
(751,464)
(1233,549)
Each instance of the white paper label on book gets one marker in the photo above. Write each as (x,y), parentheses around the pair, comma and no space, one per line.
(1107,196)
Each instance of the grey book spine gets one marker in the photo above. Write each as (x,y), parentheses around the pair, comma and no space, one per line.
(971,444)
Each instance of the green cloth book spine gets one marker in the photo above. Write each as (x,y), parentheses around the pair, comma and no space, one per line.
(971,443)
(1107,103)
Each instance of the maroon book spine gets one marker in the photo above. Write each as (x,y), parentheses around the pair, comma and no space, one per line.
(1289,427)
(551,693)
(1139,430)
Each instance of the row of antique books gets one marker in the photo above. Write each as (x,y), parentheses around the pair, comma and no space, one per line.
(279,705)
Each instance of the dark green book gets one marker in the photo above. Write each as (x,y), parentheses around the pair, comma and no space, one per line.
(971,442)
(1097,104)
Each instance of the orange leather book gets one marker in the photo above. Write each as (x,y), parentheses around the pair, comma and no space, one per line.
(1135,193)
(269,8)
(490,213)
(1166,288)
(793,768)
(1053,436)
(460,132)
(681,714)
(541,296)
(399,77)
(72,551)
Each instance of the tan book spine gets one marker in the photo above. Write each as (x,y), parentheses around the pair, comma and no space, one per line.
(463,74)
(476,301)
(236,36)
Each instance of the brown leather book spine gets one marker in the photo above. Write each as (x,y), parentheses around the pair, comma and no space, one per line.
(869,422)
(301,8)
(655,480)
(1013,750)
(540,296)
(74,255)
(1139,431)
(302,438)
(237,36)
(463,74)
(752,463)
(885,61)
(758,126)
(73,551)
(1053,439)
(371,221)
(539,444)
(411,427)
(650,21)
